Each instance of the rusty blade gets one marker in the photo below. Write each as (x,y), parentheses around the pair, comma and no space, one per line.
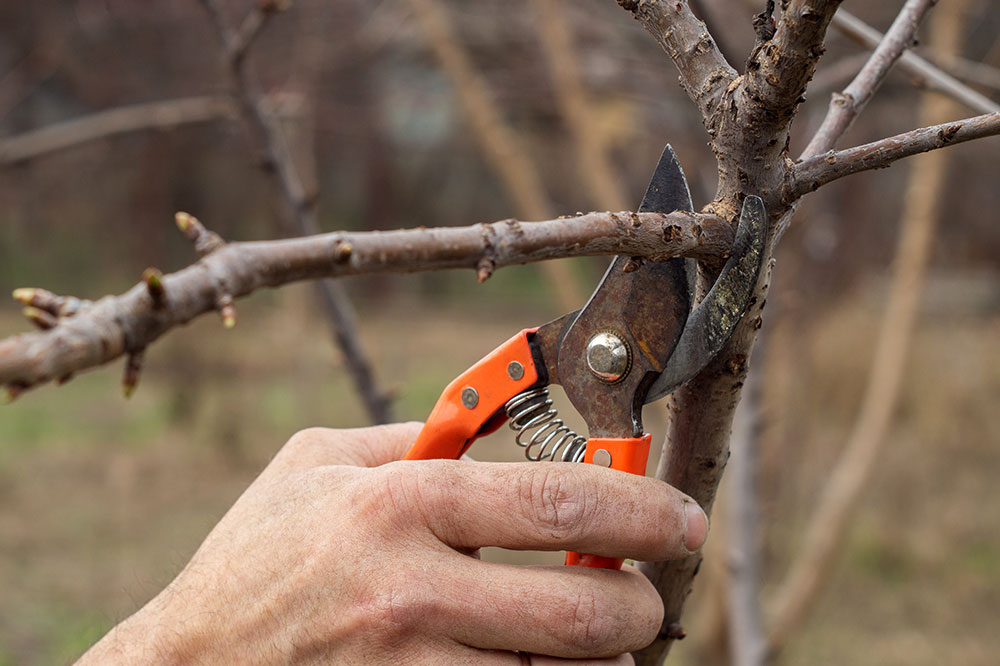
(644,306)
(712,323)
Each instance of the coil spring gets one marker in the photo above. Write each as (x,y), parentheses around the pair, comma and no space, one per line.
(532,415)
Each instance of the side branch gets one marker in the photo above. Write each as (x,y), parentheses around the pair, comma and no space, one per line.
(846,106)
(95,333)
(705,74)
(822,169)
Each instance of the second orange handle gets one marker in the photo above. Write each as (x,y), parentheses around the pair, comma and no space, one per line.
(627,455)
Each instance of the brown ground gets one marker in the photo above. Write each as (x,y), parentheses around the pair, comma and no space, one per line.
(102,501)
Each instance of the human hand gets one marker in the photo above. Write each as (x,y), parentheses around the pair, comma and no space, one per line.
(335,554)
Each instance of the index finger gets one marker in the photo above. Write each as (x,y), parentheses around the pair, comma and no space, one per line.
(550,506)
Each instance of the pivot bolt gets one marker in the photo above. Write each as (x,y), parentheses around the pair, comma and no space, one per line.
(608,357)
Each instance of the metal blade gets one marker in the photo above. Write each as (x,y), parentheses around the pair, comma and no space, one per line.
(645,306)
(711,324)
(667,190)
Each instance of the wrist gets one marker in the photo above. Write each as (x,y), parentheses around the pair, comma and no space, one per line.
(156,635)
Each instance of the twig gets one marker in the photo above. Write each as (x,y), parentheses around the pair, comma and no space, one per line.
(828,526)
(85,335)
(913,64)
(501,146)
(153,115)
(845,106)
(822,169)
(594,166)
(300,205)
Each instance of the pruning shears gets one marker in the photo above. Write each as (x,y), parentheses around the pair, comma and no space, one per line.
(635,341)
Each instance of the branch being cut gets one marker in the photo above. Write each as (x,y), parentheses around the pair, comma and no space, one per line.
(300,205)
(83,335)
(153,115)
(819,170)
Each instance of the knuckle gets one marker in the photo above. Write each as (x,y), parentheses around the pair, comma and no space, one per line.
(388,498)
(400,608)
(302,447)
(550,501)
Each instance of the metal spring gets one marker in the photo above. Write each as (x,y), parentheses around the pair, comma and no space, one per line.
(551,439)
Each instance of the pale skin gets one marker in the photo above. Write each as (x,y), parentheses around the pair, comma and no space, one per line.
(338,555)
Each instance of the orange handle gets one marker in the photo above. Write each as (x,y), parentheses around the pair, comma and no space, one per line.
(472,405)
(628,455)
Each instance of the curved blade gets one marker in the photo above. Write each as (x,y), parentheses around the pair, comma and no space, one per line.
(711,324)
(645,306)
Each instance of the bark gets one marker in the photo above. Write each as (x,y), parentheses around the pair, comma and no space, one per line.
(83,335)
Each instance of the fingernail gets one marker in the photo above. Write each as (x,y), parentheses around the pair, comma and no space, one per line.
(695,526)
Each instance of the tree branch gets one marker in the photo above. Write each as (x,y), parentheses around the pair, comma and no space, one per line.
(846,106)
(153,115)
(821,169)
(705,74)
(913,64)
(83,335)
(300,205)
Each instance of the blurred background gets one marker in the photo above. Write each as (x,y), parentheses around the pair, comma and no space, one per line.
(103,500)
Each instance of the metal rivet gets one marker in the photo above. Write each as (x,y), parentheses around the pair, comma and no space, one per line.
(608,357)
(515,370)
(470,397)
(602,457)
